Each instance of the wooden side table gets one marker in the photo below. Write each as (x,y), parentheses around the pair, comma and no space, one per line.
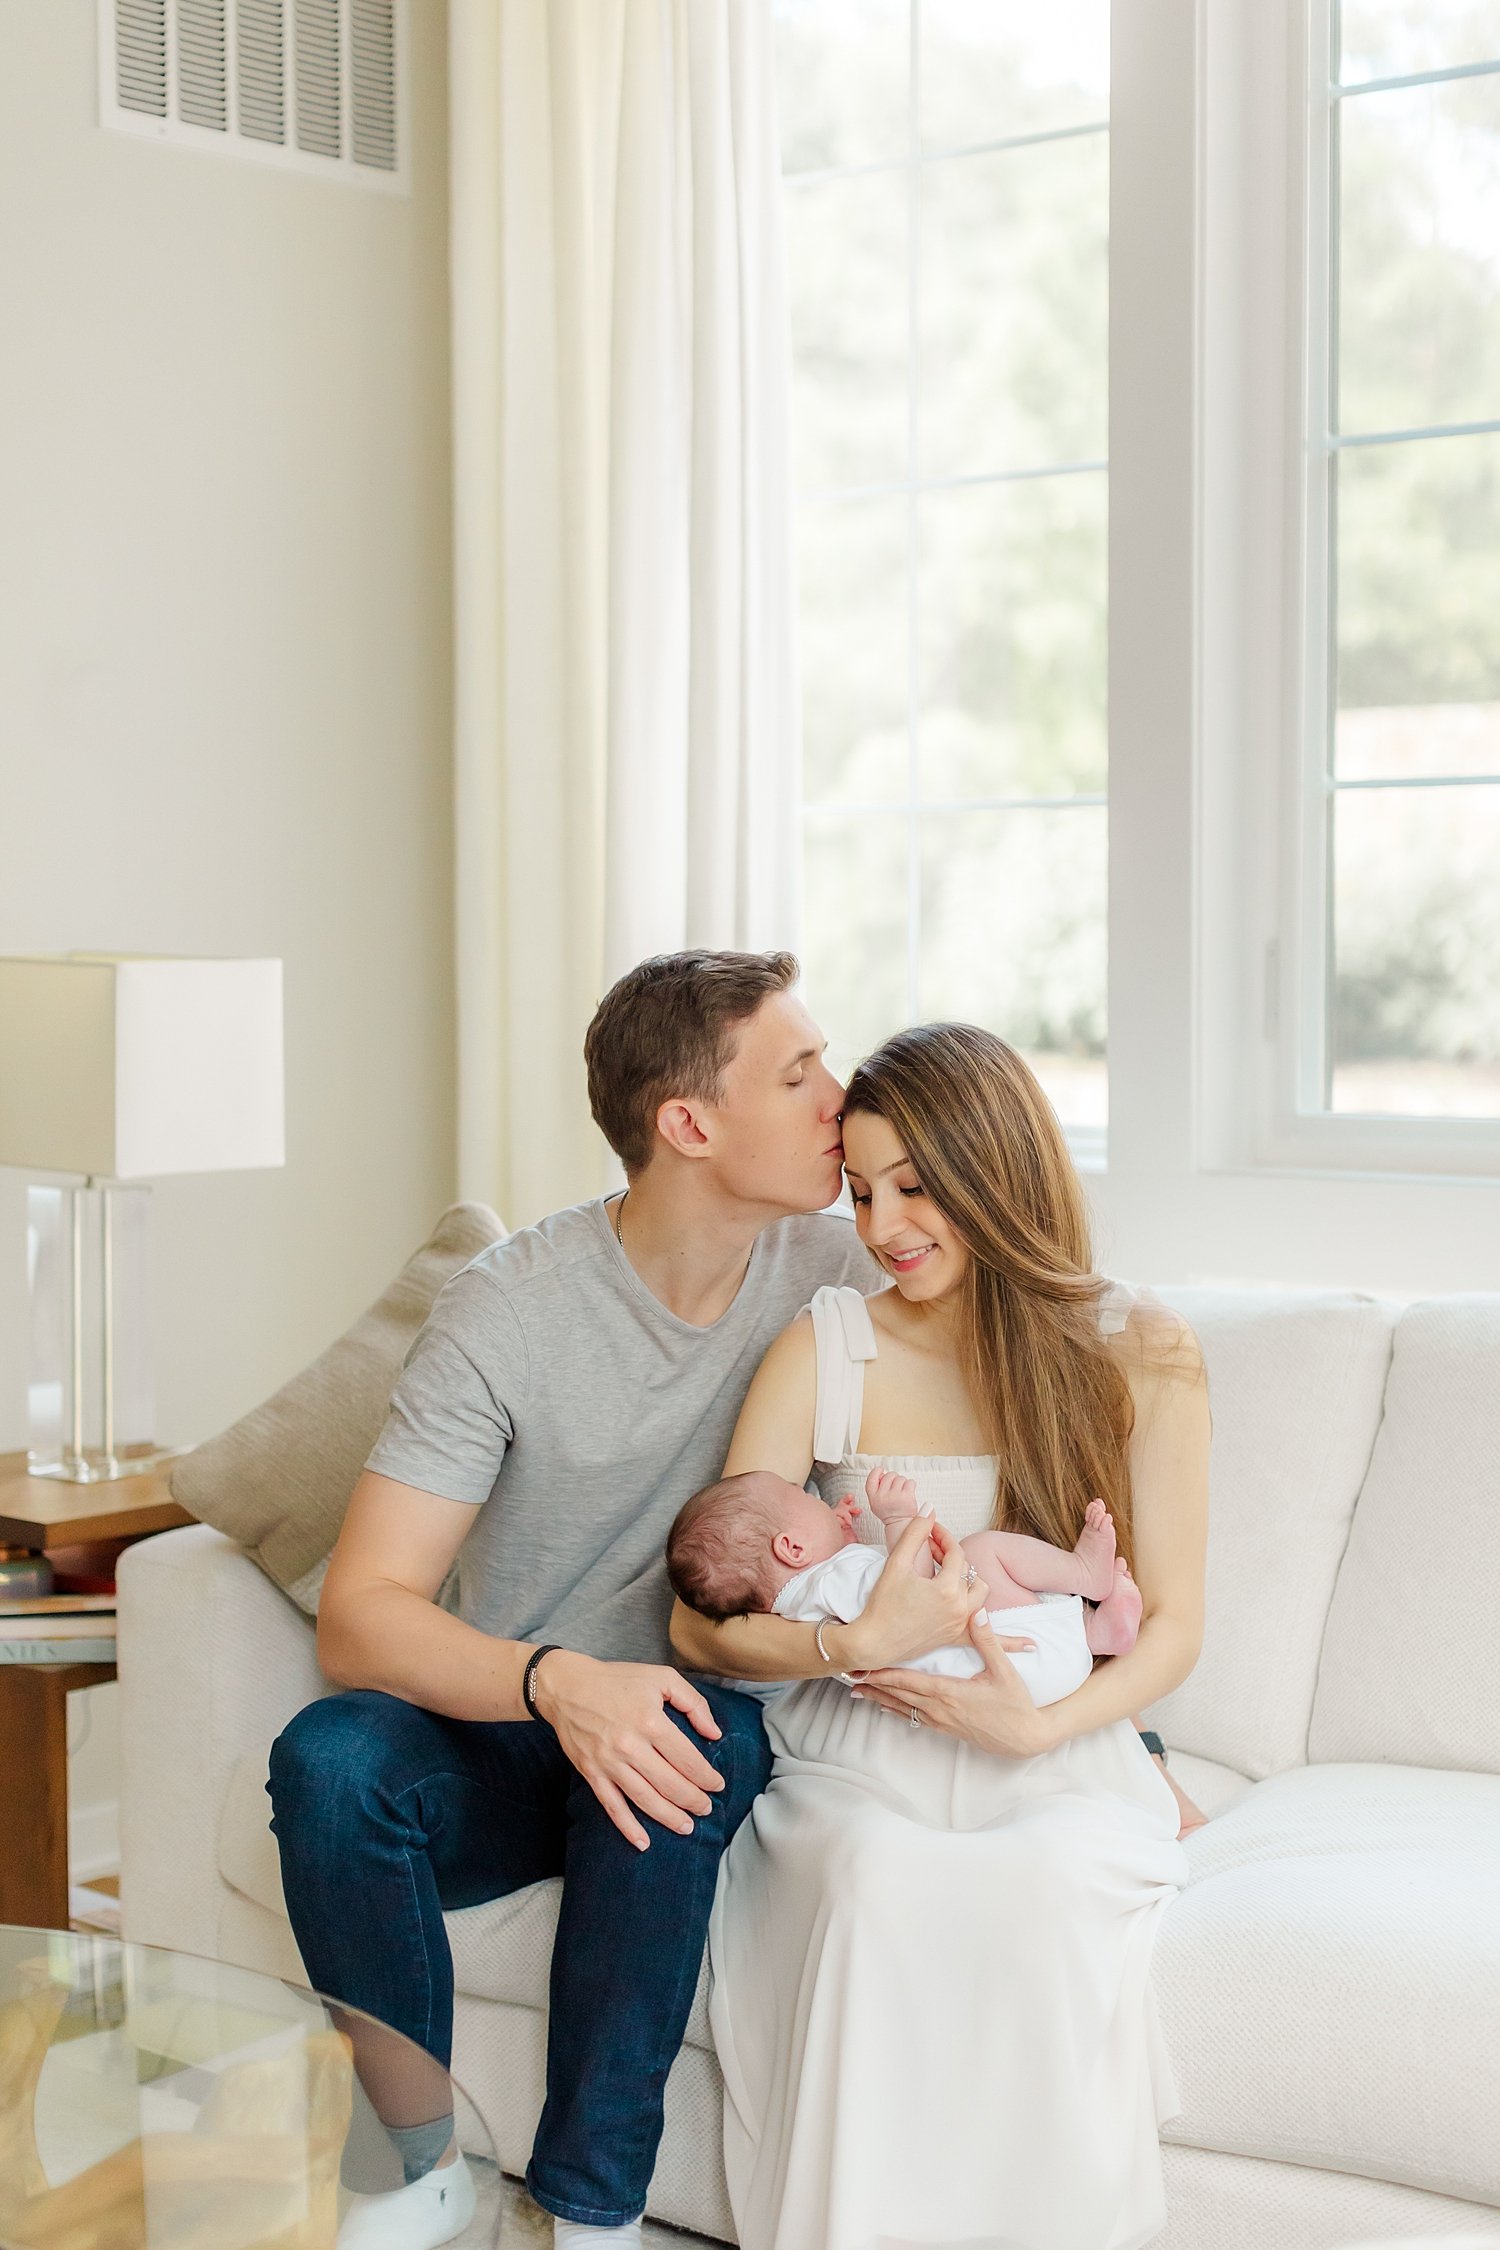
(44,1512)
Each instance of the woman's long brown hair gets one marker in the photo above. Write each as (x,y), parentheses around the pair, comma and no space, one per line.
(989,1152)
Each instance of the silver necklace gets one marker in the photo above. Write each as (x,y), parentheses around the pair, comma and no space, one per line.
(619,1216)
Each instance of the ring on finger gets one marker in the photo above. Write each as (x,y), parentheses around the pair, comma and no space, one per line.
(915,1716)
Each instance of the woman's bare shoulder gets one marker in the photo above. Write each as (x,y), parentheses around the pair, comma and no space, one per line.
(775,1426)
(1156,1345)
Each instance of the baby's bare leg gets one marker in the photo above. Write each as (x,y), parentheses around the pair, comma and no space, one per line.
(1035,1564)
(1112,1628)
(986,1551)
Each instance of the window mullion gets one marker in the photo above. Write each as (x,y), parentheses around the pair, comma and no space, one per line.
(1307,959)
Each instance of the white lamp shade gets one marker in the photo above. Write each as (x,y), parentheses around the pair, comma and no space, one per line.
(129,1067)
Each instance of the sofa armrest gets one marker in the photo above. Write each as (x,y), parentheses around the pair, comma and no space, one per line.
(213,1661)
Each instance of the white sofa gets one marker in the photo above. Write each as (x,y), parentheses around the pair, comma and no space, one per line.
(1330,1979)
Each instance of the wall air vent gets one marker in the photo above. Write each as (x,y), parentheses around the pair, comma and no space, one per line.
(313,85)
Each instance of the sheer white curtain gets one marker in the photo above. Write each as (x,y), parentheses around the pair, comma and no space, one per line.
(626,733)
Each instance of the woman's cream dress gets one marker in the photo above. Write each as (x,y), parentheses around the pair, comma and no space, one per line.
(933,2013)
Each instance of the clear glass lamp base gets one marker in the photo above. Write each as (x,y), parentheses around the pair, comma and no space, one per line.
(99,1468)
(89,1389)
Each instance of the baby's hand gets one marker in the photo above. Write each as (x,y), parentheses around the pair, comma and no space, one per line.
(892,1498)
(848,1510)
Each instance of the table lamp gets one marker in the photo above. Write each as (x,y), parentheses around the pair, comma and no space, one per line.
(121,1068)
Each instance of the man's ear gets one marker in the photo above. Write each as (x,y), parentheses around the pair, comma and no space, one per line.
(678,1123)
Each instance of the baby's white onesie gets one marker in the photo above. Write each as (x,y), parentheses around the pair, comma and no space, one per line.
(840,1586)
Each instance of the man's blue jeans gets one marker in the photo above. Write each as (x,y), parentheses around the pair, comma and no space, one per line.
(385,1814)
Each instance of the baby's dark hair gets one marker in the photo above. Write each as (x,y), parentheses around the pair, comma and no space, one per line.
(719,1556)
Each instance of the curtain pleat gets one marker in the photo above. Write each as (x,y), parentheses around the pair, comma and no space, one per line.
(627,751)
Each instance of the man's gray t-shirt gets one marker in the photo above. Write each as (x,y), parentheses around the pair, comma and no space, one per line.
(553,1392)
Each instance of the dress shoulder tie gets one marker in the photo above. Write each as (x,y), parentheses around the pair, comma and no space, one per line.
(844,1337)
(1114,1307)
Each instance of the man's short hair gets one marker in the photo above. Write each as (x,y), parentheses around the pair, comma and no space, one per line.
(667,1028)
(719,1558)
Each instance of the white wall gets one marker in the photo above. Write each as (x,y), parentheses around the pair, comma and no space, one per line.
(224,668)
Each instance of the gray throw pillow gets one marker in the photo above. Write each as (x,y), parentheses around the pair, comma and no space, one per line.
(278,1481)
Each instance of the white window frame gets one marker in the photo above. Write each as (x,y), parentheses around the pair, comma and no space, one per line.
(1262,618)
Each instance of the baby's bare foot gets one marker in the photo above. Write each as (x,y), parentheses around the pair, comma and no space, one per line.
(1116,1622)
(1096,1551)
(892,1497)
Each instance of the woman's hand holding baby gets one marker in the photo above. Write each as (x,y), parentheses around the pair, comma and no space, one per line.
(907,1614)
(994,1710)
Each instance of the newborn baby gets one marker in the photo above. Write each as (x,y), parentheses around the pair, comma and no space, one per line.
(757,1542)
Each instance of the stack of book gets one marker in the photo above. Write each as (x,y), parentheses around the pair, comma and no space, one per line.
(57,1628)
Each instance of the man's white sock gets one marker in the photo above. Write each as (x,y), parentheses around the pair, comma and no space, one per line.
(567,2234)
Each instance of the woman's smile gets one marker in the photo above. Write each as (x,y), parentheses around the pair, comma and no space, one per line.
(905,1261)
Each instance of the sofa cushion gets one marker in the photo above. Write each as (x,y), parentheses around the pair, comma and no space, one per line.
(278,1480)
(1411,1660)
(1341,1921)
(1295,1386)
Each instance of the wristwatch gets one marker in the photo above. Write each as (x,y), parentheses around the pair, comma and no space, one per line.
(1154,1744)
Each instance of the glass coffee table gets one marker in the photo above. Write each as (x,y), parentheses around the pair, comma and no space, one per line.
(152,2100)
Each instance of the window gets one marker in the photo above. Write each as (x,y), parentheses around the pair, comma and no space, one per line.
(1399,1012)
(947,187)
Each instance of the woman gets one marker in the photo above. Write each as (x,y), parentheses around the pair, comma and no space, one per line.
(931,2033)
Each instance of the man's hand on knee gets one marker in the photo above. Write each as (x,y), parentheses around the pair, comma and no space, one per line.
(612,1723)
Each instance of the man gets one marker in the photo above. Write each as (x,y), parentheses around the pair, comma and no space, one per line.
(571,1387)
